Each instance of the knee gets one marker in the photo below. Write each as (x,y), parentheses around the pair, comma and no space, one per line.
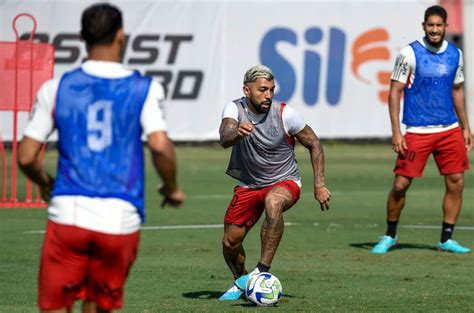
(274,208)
(273,214)
(455,183)
(231,242)
(399,189)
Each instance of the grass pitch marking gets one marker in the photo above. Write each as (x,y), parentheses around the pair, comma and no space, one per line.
(436,227)
(171,227)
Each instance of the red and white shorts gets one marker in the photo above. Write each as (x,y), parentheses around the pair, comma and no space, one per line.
(77,263)
(248,204)
(447,147)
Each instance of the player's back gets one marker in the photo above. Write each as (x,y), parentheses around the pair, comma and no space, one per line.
(99,136)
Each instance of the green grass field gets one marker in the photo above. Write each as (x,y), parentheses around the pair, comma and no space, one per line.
(323,261)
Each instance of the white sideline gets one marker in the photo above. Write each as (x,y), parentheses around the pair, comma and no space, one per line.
(171,227)
(163,227)
(228,196)
(193,226)
(436,227)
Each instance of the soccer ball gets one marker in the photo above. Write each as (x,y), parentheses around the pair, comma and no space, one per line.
(263,289)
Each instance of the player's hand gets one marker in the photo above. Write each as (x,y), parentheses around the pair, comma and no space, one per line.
(399,144)
(323,196)
(466,133)
(245,129)
(175,197)
(46,189)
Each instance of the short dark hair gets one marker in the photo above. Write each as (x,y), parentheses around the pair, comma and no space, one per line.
(100,23)
(436,10)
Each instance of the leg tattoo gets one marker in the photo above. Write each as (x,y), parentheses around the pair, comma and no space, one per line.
(271,233)
(277,201)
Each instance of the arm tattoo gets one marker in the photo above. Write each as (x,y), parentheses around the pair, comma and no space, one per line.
(310,141)
(228,133)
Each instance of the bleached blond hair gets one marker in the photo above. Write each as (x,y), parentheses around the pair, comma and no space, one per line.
(258,71)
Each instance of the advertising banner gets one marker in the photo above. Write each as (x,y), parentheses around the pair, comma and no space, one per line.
(332,59)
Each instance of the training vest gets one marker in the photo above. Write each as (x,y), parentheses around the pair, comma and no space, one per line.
(99,137)
(267,155)
(429,101)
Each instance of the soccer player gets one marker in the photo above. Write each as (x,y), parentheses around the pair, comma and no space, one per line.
(429,72)
(262,132)
(100,111)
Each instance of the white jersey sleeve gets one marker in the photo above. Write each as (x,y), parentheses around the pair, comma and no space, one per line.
(293,121)
(41,122)
(459,78)
(152,116)
(231,111)
(404,69)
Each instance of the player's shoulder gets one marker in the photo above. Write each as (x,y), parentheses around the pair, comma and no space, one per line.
(289,112)
(456,48)
(50,86)
(233,104)
(156,88)
(285,107)
(51,82)
(458,51)
(231,110)
(407,50)
(406,57)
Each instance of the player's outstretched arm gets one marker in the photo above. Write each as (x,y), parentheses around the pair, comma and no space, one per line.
(164,160)
(460,107)
(310,141)
(30,163)
(231,132)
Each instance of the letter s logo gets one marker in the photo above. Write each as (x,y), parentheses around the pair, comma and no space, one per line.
(311,79)
(279,65)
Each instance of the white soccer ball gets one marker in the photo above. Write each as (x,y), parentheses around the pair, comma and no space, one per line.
(263,289)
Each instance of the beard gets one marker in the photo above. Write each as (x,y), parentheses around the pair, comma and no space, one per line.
(435,43)
(259,107)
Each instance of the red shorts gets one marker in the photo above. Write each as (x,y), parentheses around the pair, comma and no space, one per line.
(248,204)
(448,151)
(81,264)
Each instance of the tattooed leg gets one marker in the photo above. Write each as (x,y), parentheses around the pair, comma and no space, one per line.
(277,201)
(233,250)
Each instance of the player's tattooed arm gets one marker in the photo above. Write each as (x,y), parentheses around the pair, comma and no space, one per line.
(231,132)
(228,132)
(310,141)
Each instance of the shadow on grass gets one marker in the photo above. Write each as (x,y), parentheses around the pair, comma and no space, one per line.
(204,295)
(283,299)
(399,246)
(209,295)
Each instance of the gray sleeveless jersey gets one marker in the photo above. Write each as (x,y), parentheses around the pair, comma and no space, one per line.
(267,155)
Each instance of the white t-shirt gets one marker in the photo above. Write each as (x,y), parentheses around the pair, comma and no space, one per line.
(404,72)
(293,121)
(105,215)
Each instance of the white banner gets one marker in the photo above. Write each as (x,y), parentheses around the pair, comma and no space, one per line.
(469,59)
(332,59)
